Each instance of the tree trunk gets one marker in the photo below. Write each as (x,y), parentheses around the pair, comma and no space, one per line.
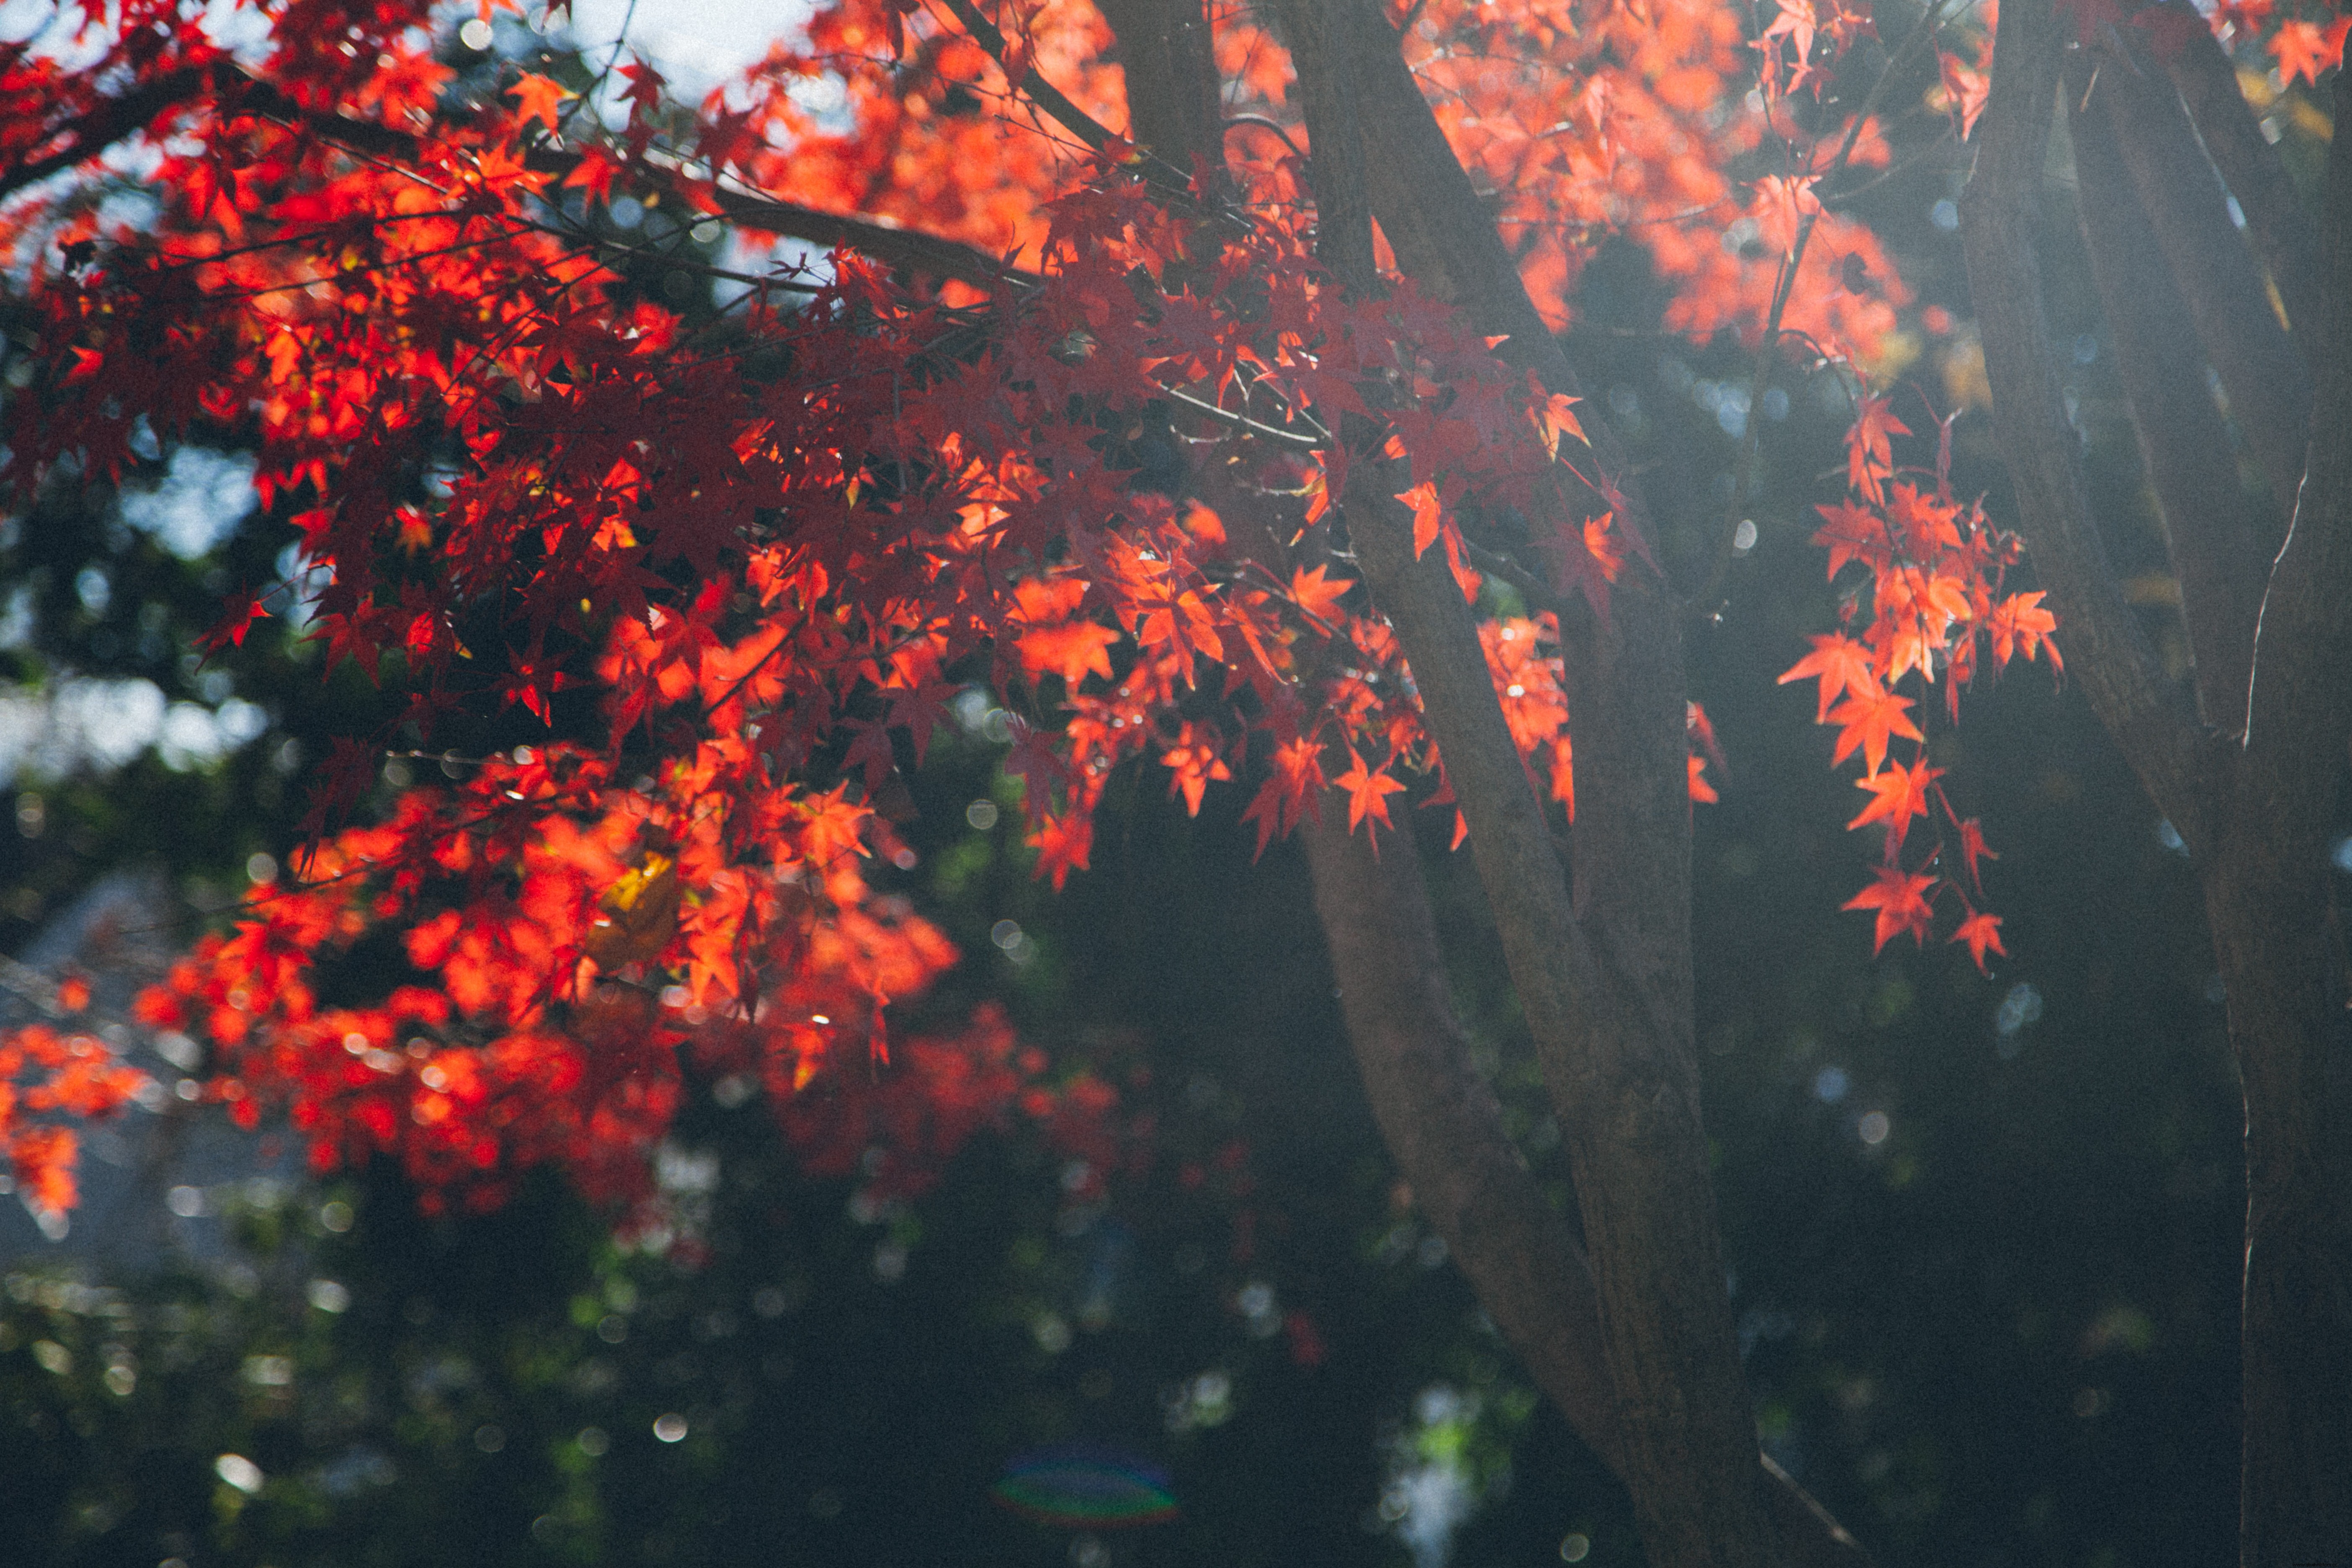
(1634,1343)
(2255,813)
(1443,1127)
(2283,968)
(1604,979)
(2281,946)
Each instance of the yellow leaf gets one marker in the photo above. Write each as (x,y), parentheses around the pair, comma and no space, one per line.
(640,916)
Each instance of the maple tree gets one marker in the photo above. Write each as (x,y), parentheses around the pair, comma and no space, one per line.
(1179,380)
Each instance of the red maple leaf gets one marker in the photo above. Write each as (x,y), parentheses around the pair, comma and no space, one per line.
(539,98)
(596,172)
(1841,665)
(1981,932)
(1897,794)
(1063,844)
(2019,625)
(1071,649)
(1869,452)
(1367,792)
(2305,49)
(1868,720)
(243,609)
(1900,898)
(1972,849)
(1317,593)
(1426,515)
(1293,792)
(1700,790)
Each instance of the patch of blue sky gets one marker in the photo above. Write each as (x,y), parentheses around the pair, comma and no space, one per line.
(203,496)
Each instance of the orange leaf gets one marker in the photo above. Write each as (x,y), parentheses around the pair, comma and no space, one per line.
(2304,48)
(1427,513)
(1317,593)
(538,98)
(1842,666)
(1700,790)
(1366,791)
(1981,932)
(1897,794)
(1869,454)
(1868,720)
(1900,898)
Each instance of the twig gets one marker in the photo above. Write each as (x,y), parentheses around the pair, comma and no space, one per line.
(1783,288)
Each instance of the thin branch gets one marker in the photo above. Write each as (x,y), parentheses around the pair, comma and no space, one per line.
(1173,183)
(240,93)
(1784,288)
(1263,123)
(112,121)
(1292,438)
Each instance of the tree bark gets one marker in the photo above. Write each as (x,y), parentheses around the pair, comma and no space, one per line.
(1442,1123)
(1166,54)
(1608,992)
(2282,959)
(2281,229)
(2216,543)
(1443,1127)
(2150,717)
(1616,1035)
(1612,1025)
(2270,392)
(2255,813)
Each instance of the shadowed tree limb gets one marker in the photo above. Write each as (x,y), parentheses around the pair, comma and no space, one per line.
(2249,166)
(2217,546)
(2303,681)
(2149,716)
(1614,1053)
(2269,388)
(1607,993)
(1165,54)
(1442,1123)
(241,94)
(109,123)
(1317,35)
(1439,1118)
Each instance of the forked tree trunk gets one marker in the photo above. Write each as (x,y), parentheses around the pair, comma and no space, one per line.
(1631,1334)
(2252,783)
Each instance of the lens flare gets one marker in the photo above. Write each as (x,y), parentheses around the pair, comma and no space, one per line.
(1086,1487)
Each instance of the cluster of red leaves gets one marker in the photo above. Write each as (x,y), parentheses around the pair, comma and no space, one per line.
(44,1072)
(776,549)
(777,582)
(1928,604)
(1603,119)
(1591,118)
(574,945)
(2298,46)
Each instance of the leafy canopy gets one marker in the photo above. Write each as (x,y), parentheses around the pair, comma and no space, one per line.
(724,571)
